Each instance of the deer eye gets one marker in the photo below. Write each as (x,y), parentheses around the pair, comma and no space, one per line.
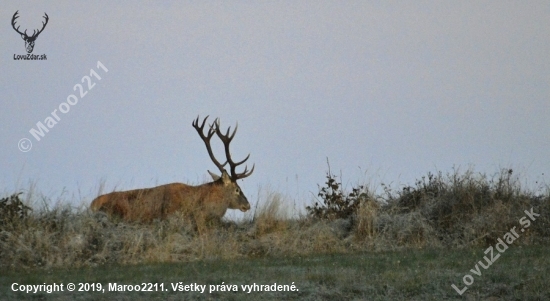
(237,190)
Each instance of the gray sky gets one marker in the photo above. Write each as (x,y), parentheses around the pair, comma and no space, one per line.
(387,91)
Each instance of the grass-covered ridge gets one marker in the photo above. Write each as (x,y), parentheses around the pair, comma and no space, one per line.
(440,211)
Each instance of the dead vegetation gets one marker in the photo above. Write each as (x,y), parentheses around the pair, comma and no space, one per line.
(439,211)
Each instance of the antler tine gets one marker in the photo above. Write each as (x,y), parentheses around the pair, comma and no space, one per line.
(15,16)
(226,139)
(206,139)
(227,136)
(200,129)
(242,161)
(234,131)
(245,173)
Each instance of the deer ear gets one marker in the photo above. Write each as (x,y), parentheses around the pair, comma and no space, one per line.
(225,178)
(214,176)
(23,37)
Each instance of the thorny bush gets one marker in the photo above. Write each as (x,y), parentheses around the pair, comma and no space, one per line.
(12,208)
(336,202)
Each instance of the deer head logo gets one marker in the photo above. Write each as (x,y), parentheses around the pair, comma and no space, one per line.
(29,40)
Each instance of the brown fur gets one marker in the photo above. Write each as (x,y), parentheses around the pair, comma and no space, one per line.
(207,201)
(210,201)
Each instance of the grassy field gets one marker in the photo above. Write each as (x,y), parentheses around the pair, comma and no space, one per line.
(520,273)
(486,235)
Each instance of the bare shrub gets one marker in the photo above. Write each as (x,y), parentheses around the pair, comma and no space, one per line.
(336,203)
(12,208)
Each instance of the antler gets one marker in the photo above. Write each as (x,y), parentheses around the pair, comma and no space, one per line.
(15,16)
(226,139)
(34,33)
(206,140)
(43,26)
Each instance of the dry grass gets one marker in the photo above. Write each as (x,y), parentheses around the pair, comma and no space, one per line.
(457,210)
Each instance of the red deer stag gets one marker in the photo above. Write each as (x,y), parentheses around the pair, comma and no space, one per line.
(207,201)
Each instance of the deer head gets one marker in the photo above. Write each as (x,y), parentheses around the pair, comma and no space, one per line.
(29,40)
(237,200)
